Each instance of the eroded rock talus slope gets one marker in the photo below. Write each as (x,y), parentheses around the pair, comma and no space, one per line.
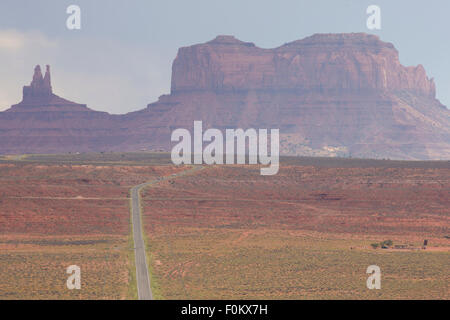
(329,94)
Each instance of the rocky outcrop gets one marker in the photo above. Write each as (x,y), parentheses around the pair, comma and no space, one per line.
(39,94)
(323,63)
(329,94)
(46,123)
(40,88)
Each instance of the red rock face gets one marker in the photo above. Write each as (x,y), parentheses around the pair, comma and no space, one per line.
(329,94)
(324,63)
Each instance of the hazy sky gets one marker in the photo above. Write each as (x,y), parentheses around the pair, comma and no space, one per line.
(121,58)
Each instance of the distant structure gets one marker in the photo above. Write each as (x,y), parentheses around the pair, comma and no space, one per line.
(40,87)
(47,79)
(39,94)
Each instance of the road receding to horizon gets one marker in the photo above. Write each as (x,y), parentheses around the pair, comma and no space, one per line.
(142,274)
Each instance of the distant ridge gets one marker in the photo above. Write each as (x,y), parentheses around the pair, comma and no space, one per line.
(329,94)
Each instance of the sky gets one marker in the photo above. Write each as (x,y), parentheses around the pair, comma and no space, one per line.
(120,60)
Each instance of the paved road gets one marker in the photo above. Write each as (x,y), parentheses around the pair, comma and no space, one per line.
(142,277)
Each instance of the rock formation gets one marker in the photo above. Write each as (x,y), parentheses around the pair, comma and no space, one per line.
(46,123)
(329,94)
(324,63)
(40,88)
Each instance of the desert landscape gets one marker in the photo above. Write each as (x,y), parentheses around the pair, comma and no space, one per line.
(330,95)
(55,214)
(216,150)
(307,233)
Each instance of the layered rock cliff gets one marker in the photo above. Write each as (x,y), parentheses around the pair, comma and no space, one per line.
(321,63)
(329,94)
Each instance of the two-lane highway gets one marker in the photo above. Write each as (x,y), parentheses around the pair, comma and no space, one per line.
(142,276)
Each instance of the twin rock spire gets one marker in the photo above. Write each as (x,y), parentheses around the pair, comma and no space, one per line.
(38,80)
(40,87)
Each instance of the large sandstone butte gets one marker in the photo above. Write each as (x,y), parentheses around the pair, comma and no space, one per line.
(329,94)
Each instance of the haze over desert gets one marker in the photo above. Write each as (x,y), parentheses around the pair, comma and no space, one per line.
(237,159)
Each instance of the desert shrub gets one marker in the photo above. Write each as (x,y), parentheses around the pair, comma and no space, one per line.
(387,243)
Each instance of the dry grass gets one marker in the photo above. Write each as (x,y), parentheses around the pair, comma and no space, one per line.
(57,215)
(228,232)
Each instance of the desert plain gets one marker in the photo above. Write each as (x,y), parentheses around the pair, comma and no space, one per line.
(224,232)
